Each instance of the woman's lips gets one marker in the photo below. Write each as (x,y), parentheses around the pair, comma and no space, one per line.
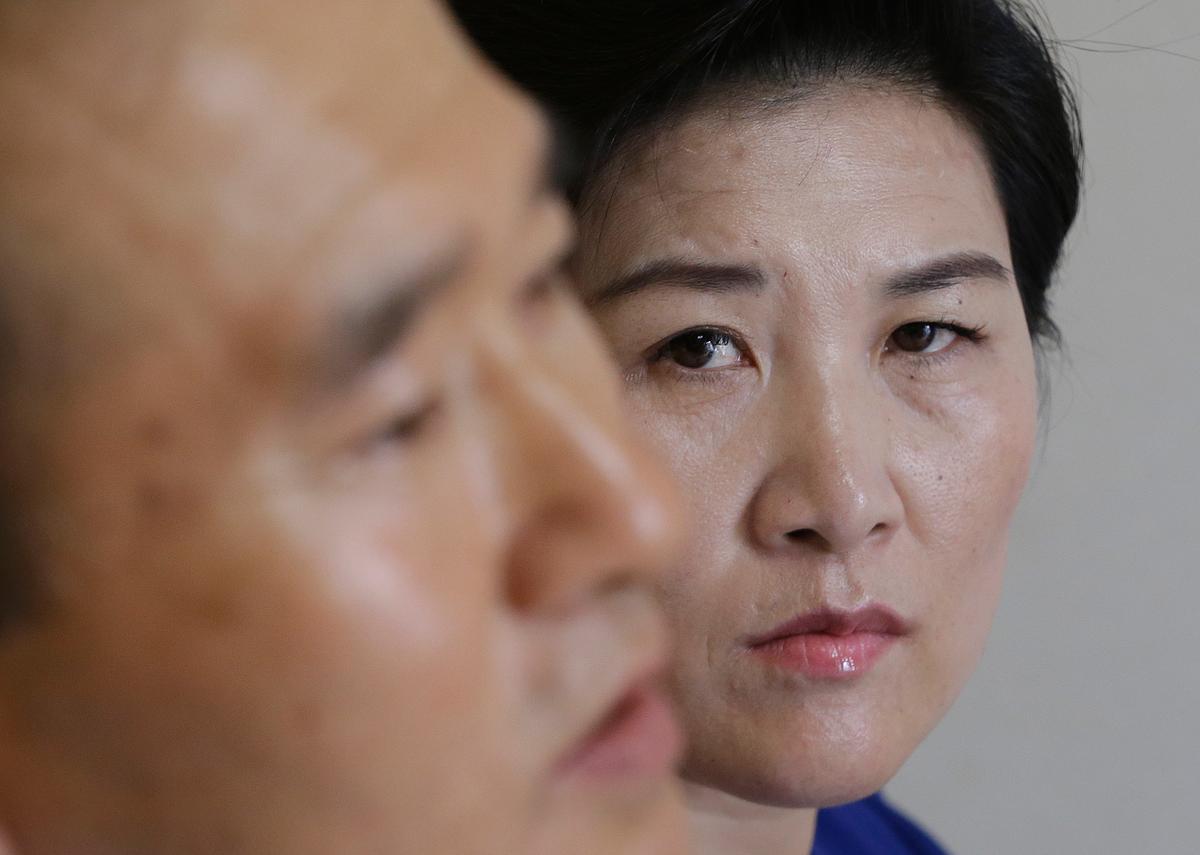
(831,644)
(638,738)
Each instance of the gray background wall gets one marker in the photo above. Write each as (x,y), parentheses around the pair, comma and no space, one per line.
(1081,731)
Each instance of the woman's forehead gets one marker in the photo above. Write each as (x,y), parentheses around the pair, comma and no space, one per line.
(853,174)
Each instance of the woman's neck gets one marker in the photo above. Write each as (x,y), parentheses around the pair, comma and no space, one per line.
(722,824)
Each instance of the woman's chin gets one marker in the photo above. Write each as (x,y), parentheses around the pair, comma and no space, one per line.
(818,776)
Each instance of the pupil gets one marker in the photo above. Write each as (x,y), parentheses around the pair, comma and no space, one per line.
(694,350)
(915,337)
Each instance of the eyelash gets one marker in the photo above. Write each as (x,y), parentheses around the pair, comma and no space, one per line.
(658,356)
(972,334)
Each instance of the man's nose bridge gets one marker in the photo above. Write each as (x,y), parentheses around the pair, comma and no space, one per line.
(561,448)
(584,509)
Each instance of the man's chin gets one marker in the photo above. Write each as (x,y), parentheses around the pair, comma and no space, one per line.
(641,818)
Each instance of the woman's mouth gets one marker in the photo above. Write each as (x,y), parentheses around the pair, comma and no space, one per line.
(829,644)
(637,738)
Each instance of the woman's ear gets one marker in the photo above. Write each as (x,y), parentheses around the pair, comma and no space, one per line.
(6,848)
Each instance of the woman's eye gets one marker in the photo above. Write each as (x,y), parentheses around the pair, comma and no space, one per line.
(923,337)
(702,349)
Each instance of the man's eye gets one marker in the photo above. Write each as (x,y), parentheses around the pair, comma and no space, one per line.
(407,427)
(541,288)
(927,337)
(702,349)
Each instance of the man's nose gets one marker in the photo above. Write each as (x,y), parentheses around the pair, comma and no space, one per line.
(591,509)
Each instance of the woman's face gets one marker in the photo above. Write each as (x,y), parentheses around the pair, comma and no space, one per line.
(814,313)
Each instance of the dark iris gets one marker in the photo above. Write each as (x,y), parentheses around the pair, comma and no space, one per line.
(695,349)
(915,338)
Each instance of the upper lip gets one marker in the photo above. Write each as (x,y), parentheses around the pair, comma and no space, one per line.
(829,621)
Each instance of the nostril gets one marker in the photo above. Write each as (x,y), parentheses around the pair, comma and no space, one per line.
(814,539)
(807,536)
(879,531)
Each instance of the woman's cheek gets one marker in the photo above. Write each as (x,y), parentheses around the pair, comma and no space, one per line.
(690,423)
(970,470)
(998,430)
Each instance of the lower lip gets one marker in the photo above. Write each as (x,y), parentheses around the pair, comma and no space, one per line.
(641,740)
(827,657)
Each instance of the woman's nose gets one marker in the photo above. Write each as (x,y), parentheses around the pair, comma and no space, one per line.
(829,485)
(591,510)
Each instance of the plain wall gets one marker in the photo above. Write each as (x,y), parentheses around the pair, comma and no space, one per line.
(1080,733)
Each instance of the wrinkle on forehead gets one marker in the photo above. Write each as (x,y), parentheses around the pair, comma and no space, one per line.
(704,180)
(819,125)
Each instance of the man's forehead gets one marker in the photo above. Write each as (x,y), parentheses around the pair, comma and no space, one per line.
(369,60)
(220,171)
(191,154)
(234,113)
(122,58)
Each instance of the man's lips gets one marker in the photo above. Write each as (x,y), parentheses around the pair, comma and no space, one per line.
(830,644)
(638,738)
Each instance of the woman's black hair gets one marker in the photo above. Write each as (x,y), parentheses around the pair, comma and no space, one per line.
(610,70)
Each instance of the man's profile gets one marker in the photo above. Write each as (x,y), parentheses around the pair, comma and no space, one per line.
(323,531)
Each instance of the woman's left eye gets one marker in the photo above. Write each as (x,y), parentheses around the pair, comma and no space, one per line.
(926,337)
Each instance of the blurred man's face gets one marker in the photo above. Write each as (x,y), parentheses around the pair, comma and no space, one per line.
(337,538)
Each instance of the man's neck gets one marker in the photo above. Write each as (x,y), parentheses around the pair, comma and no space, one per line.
(722,824)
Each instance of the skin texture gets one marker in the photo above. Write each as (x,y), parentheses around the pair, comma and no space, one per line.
(823,465)
(305,585)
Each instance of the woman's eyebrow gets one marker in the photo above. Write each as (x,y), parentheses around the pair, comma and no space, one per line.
(946,272)
(676,273)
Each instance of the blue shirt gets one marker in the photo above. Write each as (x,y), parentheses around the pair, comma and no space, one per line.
(870,827)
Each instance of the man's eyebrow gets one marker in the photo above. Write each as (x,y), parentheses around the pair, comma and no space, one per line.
(362,333)
(689,275)
(946,272)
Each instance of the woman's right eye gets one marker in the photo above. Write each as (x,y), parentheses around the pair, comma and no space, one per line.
(702,350)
